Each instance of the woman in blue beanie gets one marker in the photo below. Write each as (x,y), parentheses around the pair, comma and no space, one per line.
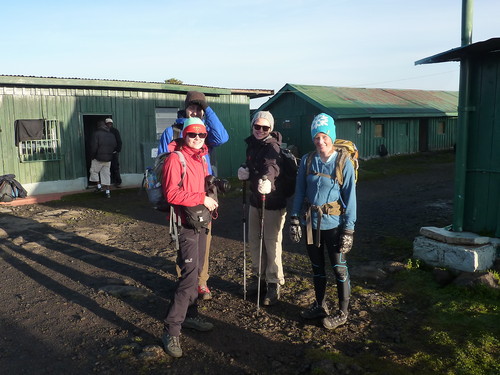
(330,217)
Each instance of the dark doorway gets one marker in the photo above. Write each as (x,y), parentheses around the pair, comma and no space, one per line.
(423,135)
(89,126)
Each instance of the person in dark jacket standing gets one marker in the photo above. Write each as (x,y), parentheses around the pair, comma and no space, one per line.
(263,159)
(183,311)
(116,179)
(102,147)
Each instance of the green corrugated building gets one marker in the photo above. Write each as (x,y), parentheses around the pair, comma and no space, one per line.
(477,174)
(404,121)
(66,111)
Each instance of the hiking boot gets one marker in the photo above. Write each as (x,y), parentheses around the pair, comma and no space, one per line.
(98,190)
(198,324)
(252,286)
(272,295)
(315,311)
(204,293)
(172,345)
(334,321)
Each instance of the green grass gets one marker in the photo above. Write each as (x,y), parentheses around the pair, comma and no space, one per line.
(459,330)
(447,330)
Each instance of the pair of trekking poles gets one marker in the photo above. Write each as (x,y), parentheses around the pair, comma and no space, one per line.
(261,240)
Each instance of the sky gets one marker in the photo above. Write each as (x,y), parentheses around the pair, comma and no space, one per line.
(260,44)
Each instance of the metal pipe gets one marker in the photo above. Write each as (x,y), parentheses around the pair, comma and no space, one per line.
(463,121)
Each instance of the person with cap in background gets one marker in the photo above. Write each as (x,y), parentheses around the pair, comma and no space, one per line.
(196,105)
(102,146)
(263,159)
(183,311)
(116,179)
(331,215)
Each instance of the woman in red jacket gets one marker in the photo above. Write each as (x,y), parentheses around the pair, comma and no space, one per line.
(184,192)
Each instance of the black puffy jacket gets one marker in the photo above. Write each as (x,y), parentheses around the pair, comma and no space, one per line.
(263,159)
(103,144)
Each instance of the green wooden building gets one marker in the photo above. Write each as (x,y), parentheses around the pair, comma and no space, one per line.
(62,114)
(404,121)
(477,175)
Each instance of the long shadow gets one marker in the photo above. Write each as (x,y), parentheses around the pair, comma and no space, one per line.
(91,253)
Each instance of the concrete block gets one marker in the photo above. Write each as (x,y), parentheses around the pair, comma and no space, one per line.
(458,257)
(457,238)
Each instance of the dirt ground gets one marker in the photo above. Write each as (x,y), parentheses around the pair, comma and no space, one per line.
(85,284)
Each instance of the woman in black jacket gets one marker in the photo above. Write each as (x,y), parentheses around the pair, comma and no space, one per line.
(263,159)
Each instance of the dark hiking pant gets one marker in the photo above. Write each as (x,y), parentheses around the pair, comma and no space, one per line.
(330,240)
(115,169)
(191,255)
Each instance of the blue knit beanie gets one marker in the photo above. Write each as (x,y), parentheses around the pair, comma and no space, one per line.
(323,123)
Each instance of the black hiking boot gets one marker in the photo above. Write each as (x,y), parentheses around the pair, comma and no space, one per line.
(334,321)
(272,295)
(315,311)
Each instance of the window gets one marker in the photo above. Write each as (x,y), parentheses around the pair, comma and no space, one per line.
(42,145)
(379,130)
(164,117)
(441,127)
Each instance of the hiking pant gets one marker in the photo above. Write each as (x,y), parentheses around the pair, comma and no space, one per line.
(115,169)
(192,245)
(202,281)
(271,263)
(330,239)
(100,168)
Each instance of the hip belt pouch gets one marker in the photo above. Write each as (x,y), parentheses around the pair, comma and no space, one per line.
(197,217)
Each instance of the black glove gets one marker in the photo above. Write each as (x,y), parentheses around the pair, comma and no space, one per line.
(295,229)
(346,240)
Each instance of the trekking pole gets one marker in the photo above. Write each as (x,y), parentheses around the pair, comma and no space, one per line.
(261,237)
(244,220)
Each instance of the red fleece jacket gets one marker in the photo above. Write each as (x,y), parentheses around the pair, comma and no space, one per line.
(192,191)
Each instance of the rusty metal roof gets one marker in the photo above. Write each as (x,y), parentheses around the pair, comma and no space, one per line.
(347,102)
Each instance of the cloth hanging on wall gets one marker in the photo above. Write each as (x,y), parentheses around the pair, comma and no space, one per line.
(28,130)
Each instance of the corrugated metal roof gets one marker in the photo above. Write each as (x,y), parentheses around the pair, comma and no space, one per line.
(34,81)
(347,102)
(456,54)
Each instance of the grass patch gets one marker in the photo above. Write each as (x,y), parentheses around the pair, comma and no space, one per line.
(458,331)
(447,330)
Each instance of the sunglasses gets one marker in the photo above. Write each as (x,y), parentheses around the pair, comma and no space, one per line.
(194,135)
(264,128)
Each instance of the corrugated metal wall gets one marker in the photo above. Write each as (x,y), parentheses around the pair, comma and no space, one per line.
(234,113)
(482,185)
(293,117)
(133,113)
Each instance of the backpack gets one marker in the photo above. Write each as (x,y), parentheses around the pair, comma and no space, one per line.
(288,172)
(10,188)
(153,179)
(347,150)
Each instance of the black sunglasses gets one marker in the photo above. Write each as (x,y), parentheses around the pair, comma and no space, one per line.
(194,135)
(265,128)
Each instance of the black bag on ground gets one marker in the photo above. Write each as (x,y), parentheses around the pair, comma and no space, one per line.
(11,189)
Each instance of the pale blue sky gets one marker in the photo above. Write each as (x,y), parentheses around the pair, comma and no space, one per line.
(241,44)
